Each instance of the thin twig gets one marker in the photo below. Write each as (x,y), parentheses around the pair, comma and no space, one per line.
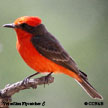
(7,93)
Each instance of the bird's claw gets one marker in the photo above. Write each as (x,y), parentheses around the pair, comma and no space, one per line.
(26,81)
(47,79)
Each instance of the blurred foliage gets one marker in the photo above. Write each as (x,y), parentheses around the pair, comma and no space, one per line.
(82,28)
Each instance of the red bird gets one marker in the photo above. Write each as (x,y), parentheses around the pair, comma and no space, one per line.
(43,52)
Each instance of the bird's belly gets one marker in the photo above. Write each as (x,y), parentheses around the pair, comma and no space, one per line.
(34,59)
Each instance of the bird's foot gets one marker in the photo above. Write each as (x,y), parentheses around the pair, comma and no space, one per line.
(47,79)
(26,80)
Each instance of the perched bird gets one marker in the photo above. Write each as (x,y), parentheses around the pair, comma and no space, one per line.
(43,52)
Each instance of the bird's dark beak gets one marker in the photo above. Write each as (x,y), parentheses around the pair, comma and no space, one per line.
(9,25)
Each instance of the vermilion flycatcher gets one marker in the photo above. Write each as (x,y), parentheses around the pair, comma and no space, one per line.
(43,53)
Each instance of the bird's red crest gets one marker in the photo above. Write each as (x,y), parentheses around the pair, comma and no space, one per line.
(30,20)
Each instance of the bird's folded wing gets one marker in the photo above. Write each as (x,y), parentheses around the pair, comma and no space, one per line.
(50,48)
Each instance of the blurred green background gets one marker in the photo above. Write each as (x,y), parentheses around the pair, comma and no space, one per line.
(82,28)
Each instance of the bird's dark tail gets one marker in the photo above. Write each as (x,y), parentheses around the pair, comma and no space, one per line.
(90,90)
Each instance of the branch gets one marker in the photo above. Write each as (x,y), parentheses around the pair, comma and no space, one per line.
(10,90)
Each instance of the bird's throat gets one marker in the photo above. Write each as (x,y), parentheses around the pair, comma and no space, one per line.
(21,34)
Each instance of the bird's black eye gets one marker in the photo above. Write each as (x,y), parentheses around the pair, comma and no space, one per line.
(23,25)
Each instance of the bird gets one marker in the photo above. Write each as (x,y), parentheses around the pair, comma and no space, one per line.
(43,52)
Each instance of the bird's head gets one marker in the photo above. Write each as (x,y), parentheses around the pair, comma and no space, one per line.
(24,24)
(25,20)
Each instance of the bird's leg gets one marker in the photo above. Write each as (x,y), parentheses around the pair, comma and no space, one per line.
(46,78)
(25,81)
(33,75)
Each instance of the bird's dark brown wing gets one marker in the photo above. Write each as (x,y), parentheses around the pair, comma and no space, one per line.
(50,48)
